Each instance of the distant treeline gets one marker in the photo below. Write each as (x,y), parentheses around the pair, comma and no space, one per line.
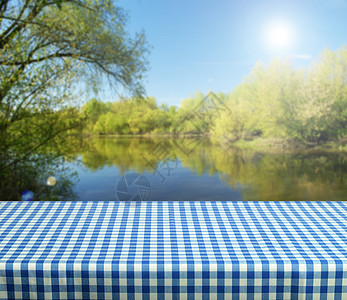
(275,100)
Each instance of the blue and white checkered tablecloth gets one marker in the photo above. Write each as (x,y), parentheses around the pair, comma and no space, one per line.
(173,250)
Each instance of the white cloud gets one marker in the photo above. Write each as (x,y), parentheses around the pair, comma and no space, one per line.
(221,63)
(302,56)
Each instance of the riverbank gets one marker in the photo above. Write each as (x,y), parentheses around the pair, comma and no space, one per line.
(147,135)
(257,143)
(287,145)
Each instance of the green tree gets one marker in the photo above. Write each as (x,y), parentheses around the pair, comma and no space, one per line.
(269,87)
(192,116)
(317,112)
(230,126)
(240,119)
(45,53)
(92,110)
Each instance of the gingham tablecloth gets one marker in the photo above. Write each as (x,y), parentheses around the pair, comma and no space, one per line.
(179,250)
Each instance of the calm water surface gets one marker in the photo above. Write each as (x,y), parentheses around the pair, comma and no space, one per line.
(194,169)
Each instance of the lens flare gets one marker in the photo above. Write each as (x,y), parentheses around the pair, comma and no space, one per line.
(51,181)
(27,196)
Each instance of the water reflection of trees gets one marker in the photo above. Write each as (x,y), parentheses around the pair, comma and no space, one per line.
(30,173)
(263,176)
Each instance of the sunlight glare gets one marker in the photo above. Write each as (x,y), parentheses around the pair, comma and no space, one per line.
(279,35)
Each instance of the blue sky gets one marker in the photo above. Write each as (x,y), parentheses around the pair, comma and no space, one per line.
(212,45)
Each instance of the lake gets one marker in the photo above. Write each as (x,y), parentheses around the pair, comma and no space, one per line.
(169,169)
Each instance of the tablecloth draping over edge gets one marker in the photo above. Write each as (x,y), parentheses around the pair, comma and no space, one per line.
(165,250)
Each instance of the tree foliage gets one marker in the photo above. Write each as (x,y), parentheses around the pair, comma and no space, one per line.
(275,101)
(129,116)
(317,111)
(47,50)
(309,105)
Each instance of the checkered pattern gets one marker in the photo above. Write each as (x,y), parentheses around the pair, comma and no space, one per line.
(173,250)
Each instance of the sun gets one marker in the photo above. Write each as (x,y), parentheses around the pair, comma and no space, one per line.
(279,35)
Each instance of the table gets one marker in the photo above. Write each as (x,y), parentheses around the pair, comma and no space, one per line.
(173,250)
